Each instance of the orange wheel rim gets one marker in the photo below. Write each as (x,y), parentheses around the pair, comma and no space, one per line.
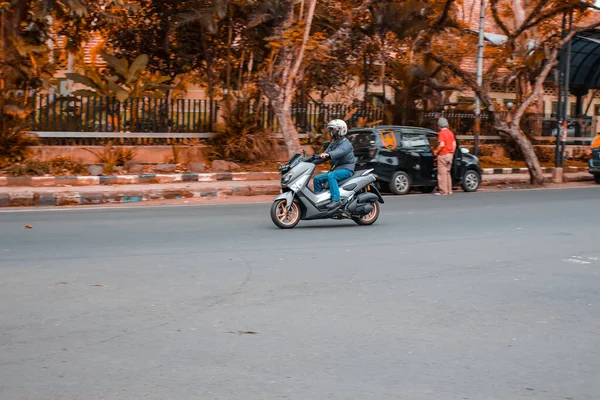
(284,216)
(370,215)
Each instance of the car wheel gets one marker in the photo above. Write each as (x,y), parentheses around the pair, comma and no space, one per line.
(400,183)
(427,189)
(471,181)
(597,178)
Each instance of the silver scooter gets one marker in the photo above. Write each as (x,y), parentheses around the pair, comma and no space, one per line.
(359,197)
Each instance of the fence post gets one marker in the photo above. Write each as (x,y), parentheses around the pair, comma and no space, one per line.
(106,111)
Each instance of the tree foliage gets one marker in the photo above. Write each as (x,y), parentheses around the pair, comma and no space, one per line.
(286,50)
(526,56)
(123,81)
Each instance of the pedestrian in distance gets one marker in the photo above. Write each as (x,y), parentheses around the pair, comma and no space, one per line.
(596,143)
(445,157)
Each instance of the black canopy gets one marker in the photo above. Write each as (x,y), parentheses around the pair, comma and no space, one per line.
(585,62)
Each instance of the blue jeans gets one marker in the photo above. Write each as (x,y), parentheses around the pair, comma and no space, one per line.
(332,177)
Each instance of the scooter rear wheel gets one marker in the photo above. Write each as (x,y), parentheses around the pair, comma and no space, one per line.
(370,218)
(284,218)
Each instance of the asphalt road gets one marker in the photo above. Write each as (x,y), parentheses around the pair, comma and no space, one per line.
(477,296)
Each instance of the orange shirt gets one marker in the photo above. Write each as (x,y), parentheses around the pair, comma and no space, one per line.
(596,142)
(447,137)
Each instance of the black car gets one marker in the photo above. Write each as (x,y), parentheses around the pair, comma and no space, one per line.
(402,158)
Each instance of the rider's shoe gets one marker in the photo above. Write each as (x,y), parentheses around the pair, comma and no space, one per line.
(333,205)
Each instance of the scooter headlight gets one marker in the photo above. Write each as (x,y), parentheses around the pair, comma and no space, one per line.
(286,178)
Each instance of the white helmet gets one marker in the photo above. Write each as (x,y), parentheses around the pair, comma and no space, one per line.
(337,128)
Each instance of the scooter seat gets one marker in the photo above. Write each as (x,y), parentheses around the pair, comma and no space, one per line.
(356,173)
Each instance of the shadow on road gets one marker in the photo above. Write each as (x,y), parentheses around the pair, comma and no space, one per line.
(331,224)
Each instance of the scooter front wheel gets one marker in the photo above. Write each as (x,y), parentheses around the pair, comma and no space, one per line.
(283,217)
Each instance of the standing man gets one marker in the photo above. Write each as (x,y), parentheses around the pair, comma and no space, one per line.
(445,152)
(596,142)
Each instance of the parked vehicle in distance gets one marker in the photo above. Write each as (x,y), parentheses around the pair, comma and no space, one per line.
(594,163)
(402,158)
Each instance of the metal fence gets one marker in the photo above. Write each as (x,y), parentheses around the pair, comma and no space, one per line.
(107,114)
(538,126)
(100,115)
(313,117)
(461,123)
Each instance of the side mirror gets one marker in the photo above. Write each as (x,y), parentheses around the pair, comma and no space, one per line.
(303,152)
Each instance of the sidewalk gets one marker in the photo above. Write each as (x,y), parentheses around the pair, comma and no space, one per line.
(16,196)
(489,180)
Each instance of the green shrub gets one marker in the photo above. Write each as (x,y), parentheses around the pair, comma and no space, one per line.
(28,168)
(544,154)
(67,166)
(57,166)
(15,141)
(581,154)
(486,151)
(111,156)
(243,138)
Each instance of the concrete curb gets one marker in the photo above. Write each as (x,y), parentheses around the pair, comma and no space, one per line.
(491,180)
(549,170)
(67,181)
(62,181)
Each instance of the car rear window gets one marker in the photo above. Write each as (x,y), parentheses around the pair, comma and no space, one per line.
(361,140)
(415,140)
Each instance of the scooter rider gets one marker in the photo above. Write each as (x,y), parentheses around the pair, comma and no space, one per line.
(341,157)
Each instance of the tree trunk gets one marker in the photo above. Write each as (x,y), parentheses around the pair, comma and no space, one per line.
(283,78)
(519,12)
(538,119)
(591,98)
(535,170)
(366,73)
(228,64)
(383,62)
(211,99)
(513,130)
(2,58)
(211,91)
(281,103)
(240,79)
(290,135)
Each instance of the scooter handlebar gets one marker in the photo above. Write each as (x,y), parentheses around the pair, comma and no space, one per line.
(315,158)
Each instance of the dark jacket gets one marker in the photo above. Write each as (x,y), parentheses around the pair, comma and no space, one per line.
(342,154)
